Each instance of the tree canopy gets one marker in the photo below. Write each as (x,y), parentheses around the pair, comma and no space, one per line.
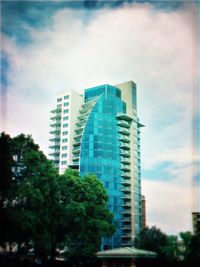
(152,239)
(48,209)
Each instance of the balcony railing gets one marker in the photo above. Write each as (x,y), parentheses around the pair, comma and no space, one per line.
(126,219)
(76,151)
(124,146)
(124,116)
(125,167)
(56,110)
(126,196)
(123,123)
(123,130)
(125,189)
(55,131)
(54,146)
(126,204)
(124,139)
(125,174)
(56,124)
(125,153)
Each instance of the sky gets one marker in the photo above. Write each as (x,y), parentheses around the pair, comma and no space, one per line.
(51,46)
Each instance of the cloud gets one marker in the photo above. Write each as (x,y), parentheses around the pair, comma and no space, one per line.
(169,203)
(80,49)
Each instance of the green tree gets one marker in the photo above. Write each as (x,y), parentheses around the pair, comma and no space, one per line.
(193,256)
(171,249)
(6,162)
(85,202)
(185,243)
(152,239)
(48,209)
(33,197)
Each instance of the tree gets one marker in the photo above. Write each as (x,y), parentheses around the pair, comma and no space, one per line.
(186,238)
(6,162)
(193,255)
(152,239)
(85,202)
(33,197)
(171,249)
(48,209)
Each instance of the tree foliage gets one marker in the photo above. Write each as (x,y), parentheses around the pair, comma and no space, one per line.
(88,217)
(152,239)
(48,209)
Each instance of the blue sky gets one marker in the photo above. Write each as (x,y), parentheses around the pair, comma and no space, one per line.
(49,46)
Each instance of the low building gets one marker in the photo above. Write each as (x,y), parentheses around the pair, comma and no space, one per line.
(125,256)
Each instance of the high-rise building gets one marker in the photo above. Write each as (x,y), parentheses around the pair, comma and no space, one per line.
(102,136)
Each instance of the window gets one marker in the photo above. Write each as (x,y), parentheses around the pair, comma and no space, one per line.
(59,99)
(65,140)
(66,111)
(64,162)
(65,118)
(66,97)
(65,125)
(64,155)
(66,104)
(65,133)
(64,147)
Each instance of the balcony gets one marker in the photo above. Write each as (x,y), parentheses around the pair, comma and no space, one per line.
(56,124)
(77,136)
(83,110)
(125,182)
(79,130)
(126,235)
(75,159)
(124,116)
(126,174)
(80,124)
(55,138)
(126,227)
(126,196)
(124,139)
(56,117)
(126,211)
(55,131)
(56,110)
(126,204)
(125,160)
(123,124)
(55,146)
(125,153)
(124,146)
(76,151)
(54,153)
(126,219)
(126,189)
(77,142)
(82,118)
(125,167)
(123,130)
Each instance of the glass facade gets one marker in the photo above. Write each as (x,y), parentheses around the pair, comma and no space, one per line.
(100,153)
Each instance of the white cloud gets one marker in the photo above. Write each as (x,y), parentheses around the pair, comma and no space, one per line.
(169,203)
(153,47)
